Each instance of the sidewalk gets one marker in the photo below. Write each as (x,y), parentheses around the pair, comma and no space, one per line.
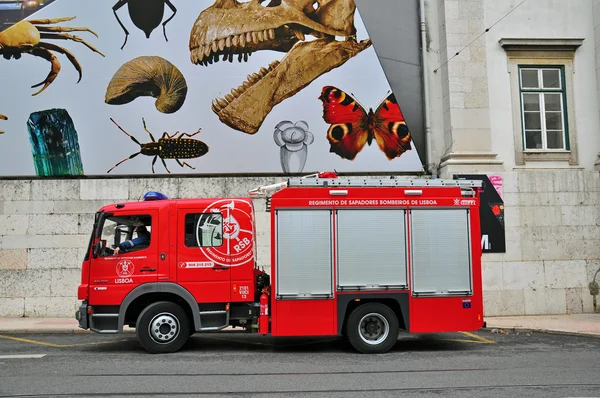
(577,324)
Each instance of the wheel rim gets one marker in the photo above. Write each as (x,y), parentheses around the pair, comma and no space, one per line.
(373,328)
(164,328)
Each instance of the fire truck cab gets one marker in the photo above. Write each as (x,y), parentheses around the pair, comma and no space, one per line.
(362,258)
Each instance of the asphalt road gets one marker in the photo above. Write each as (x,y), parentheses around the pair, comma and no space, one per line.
(239,365)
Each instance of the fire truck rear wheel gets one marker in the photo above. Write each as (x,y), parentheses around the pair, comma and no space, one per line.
(372,328)
(163,327)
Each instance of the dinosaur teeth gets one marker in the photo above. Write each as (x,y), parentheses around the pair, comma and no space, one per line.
(235,40)
(271,34)
(299,34)
(214,46)
(254,37)
(228,41)
(248,37)
(242,40)
(222,102)
(260,36)
(230,97)
(222,44)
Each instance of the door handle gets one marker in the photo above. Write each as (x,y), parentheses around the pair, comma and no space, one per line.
(147,269)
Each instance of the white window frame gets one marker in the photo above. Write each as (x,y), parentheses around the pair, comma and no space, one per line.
(540,91)
(542,53)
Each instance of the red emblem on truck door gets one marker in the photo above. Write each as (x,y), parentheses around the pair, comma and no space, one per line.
(237,247)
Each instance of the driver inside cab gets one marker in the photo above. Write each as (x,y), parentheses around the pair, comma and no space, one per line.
(143,239)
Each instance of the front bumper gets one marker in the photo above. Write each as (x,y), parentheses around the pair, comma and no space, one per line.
(82,315)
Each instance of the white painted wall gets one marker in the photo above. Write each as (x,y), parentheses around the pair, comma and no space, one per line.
(543,19)
(552,216)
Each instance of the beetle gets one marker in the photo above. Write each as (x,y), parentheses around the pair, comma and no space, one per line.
(145,14)
(167,147)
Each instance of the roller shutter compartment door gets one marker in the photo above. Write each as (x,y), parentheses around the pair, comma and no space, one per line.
(440,251)
(304,253)
(371,248)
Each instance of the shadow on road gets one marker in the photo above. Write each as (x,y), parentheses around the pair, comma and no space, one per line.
(238,342)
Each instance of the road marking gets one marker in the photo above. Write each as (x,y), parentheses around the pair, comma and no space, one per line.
(22,356)
(481,339)
(29,341)
(56,345)
(467,341)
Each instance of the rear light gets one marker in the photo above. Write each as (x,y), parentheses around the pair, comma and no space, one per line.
(90,310)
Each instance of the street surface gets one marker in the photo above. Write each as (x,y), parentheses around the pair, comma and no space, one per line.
(239,365)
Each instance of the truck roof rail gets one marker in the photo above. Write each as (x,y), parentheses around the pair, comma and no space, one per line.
(366,182)
(314,180)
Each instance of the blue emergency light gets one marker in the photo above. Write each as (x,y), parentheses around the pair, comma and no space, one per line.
(150,196)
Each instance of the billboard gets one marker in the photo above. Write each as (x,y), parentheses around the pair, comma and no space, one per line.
(143,87)
(491,211)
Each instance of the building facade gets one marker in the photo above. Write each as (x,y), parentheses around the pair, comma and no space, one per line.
(520,102)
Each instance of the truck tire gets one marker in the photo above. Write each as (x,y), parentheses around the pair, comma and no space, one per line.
(162,327)
(372,328)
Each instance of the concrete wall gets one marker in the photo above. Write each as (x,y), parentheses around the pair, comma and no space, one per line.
(552,223)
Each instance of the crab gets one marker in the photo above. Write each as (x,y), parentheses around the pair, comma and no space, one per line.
(2,117)
(235,29)
(25,38)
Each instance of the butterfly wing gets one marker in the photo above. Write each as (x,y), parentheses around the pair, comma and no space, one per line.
(390,129)
(347,134)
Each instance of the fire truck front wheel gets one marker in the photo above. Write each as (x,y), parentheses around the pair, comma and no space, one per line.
(372,328)
(163,327)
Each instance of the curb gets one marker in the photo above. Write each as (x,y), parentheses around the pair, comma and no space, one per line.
(548,331)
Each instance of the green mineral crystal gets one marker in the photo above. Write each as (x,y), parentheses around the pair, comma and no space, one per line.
(54,143)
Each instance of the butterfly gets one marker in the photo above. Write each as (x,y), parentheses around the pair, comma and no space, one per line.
(352,127)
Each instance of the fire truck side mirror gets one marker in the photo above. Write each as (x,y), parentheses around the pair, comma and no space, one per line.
(117,240)
(97,248)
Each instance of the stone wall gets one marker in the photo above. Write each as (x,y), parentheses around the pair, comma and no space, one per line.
(552,244)
(552,238)
(45,227)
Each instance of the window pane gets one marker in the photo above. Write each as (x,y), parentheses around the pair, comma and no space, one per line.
(529,78)
(203,229)
(555,140)
(551,78)
(532,121)
(531,102)
(553,121)
(125,232)
(533,139)
(553,102)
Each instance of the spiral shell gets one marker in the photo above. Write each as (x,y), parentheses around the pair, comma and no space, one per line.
(148,76)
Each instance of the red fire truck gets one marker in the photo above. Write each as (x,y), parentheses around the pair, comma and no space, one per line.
(362,258)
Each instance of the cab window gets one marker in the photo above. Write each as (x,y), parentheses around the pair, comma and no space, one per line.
(128,233)
(203,229)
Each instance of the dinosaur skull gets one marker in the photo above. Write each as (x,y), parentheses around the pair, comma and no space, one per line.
(235,29)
